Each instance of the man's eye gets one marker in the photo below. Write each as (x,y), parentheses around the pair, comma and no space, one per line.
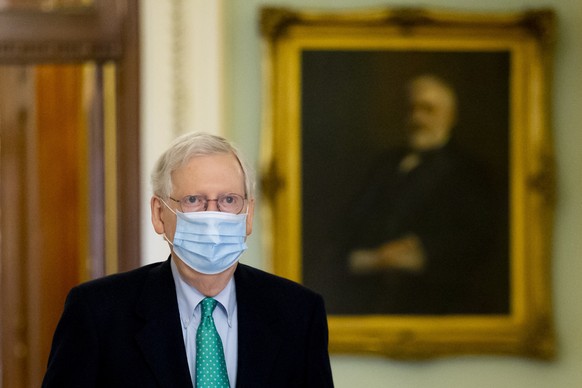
(192,200)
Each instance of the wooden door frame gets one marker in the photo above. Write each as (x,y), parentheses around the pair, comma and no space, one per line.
(106,31)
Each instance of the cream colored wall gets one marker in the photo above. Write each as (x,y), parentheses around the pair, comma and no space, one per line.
(183,85)
(239,116)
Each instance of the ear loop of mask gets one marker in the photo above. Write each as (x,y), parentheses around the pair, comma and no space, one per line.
(172,210)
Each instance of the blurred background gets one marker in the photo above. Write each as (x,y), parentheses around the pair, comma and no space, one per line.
(92,91)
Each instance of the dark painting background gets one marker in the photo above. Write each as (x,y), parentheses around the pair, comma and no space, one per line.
(353,108)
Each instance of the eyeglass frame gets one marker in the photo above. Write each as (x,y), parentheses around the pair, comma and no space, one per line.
(207,200)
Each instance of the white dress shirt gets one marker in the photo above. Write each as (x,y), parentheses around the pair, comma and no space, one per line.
(225,318)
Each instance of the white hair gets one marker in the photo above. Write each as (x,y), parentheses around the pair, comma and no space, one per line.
(187,146)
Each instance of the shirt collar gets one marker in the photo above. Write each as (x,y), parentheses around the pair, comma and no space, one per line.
(189,297)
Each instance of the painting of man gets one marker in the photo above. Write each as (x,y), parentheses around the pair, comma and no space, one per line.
(414,219)
(424,217)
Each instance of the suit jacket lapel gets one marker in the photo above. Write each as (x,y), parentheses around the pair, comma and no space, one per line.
(160,339)
(258,337)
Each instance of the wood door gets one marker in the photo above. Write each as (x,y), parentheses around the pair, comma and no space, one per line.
(47,225)
(53,175)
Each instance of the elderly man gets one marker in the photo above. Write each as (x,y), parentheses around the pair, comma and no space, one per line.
(199,318)
(424,219)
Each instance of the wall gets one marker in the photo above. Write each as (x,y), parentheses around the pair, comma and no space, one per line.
(241,120)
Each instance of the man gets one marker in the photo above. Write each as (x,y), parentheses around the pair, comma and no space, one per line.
(143,328)
(424,221)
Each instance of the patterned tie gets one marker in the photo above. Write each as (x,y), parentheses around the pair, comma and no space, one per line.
(210,364)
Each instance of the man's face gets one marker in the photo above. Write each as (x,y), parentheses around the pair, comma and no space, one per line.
(431,115)
(209,175)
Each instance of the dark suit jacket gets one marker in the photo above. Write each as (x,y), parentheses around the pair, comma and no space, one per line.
(124,331)
(446,201)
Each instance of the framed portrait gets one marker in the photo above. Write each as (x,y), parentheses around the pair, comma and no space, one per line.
(408,175)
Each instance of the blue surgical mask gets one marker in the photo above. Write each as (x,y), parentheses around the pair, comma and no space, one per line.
(209,242)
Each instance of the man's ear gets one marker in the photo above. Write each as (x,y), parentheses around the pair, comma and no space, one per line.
(156,206)
(250,213)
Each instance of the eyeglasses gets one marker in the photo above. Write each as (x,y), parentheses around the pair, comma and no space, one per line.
(228,203)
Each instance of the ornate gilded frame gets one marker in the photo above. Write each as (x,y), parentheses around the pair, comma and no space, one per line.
(527,329)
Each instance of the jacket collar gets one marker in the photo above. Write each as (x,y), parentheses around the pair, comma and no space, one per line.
(160,338)
(258,336)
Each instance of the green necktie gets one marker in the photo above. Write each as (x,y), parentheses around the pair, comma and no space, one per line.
(210,364)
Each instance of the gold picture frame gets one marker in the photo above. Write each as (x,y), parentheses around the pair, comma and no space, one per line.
(318,68)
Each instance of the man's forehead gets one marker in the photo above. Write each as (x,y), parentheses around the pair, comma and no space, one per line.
(432,88)
(221,161)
